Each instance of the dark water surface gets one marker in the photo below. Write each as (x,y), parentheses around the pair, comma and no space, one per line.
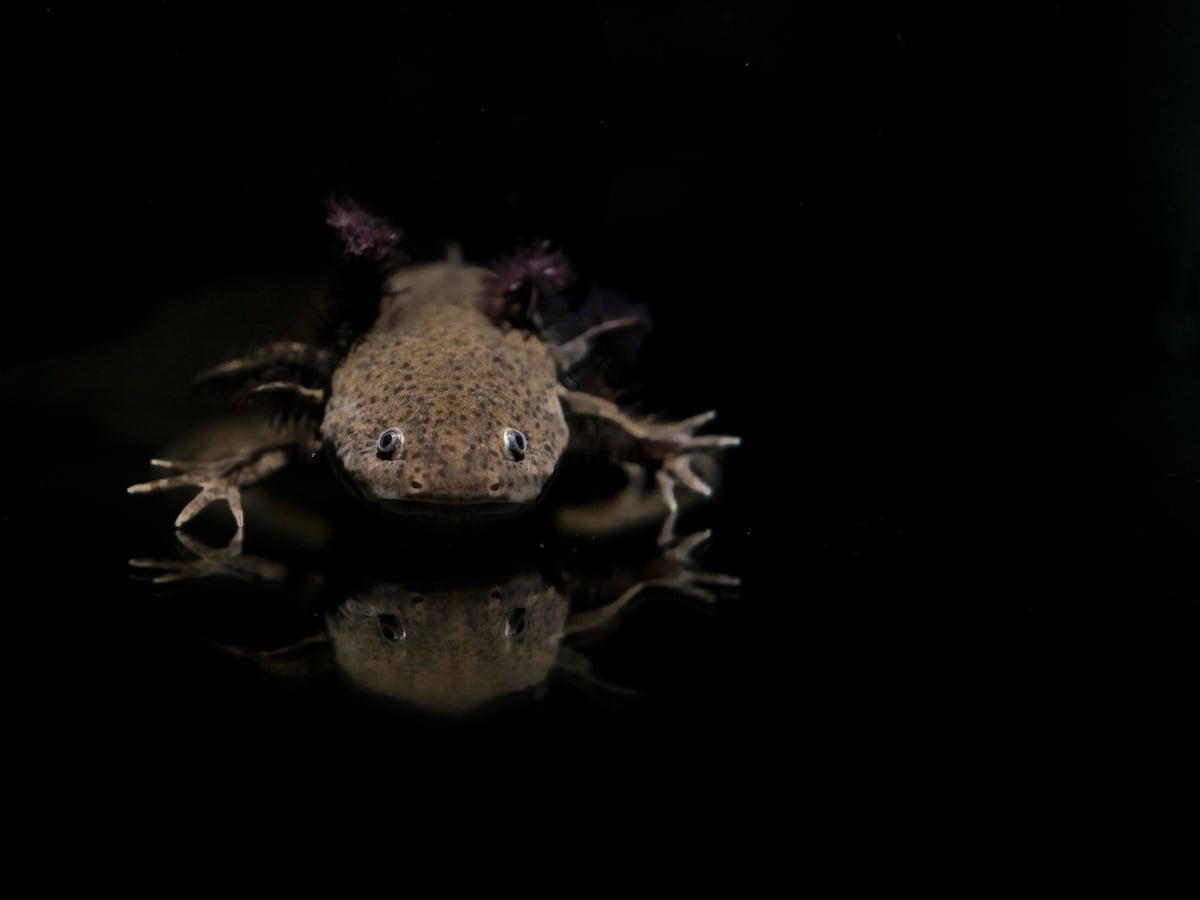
(936,272)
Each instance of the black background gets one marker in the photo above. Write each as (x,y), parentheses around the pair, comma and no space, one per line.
(936,267)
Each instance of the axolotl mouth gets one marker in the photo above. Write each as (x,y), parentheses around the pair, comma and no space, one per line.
(446,510)
(451,512)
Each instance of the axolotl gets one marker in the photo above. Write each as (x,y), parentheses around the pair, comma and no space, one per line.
(455,406)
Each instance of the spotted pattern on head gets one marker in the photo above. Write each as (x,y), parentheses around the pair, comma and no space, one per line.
(435,368)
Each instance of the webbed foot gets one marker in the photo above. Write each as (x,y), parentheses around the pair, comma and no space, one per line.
(676,468)
(671,446)
(220,479)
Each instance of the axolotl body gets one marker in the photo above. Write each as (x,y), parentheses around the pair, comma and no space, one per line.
(452,407)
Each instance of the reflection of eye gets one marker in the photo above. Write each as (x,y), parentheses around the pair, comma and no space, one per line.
(391,627)
(514,622)
(515,444)
(389,443)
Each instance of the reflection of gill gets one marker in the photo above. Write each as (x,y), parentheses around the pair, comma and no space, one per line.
(452,645)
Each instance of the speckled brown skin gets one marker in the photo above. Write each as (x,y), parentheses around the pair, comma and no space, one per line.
(451,647)
(434,366)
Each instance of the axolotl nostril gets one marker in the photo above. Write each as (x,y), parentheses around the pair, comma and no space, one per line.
(455,404)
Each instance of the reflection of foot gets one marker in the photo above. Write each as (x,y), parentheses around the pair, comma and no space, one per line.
(212,562)
(639,504)
(673,570)
(689,580)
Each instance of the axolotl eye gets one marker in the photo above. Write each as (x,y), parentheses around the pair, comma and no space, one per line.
(389,443)
(515,444)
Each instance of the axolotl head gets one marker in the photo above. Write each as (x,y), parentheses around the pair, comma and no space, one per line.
(444,416)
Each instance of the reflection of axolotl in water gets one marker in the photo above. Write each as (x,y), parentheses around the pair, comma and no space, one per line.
(453,645)
(441,631)
(453,406)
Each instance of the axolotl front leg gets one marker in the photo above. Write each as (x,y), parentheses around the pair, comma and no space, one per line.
(220,479)
(223,479)
(670,447)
